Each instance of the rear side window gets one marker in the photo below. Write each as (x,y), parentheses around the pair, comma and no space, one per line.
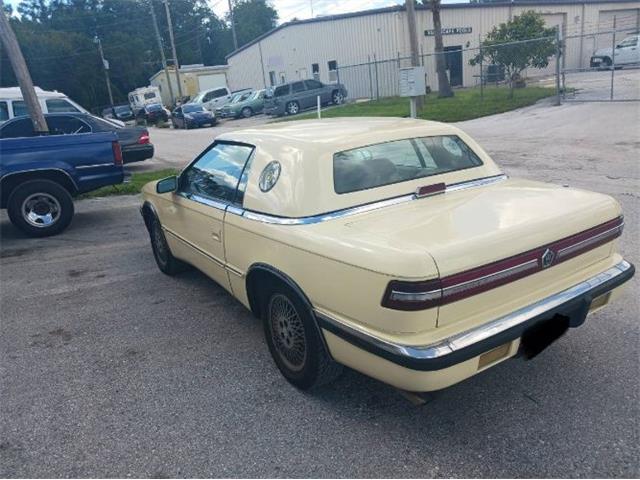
(400,161)
(60,105)
(17,128)
(219,93)
(281,91)
(19,108)
(216,174)
(66,125)
(297,87)
(4,111)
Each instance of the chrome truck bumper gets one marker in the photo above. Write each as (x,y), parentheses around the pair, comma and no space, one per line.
(573,302)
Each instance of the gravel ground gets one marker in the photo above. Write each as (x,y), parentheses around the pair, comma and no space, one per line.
(110,368)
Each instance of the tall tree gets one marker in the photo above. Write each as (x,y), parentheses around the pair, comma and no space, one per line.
(444,88)
(252,19)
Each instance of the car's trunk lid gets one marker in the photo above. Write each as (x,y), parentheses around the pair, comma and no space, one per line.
(473,227)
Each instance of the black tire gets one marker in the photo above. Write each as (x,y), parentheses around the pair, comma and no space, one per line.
(167,263)
(40,208)
(606,63)
(312,367)
(293,108)
(246,112)
(337,97)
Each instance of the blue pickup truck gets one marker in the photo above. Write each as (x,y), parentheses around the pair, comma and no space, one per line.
(39,176)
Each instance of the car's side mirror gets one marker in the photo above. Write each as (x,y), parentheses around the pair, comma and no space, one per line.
(166,185)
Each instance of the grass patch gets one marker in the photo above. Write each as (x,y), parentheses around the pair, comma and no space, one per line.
(465,105)
(135,184)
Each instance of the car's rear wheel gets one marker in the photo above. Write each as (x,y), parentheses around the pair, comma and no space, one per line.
(167,263)
(293,108)
(294,340)
(337,97)
(247,112)
(40,208)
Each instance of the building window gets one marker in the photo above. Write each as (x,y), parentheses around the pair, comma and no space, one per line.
(283,77)
(315,71)
(333,70)
(272,78)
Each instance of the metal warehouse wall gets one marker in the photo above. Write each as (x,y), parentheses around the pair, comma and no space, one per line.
(290,51)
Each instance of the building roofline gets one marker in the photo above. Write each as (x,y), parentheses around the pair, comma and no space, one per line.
(401,8)
(199,69)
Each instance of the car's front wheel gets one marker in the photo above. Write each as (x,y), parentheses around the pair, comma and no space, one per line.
(294,340)
(167,263)
(247,112)
(293,108)
(40,208)
(337,98)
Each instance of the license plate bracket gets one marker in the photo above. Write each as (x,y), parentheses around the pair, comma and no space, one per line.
(539,336)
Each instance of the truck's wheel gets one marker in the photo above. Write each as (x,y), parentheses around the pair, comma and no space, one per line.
(293,108)
(167,263)
(40,208)
(294,340)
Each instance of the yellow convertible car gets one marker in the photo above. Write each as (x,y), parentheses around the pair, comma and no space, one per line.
(393,246)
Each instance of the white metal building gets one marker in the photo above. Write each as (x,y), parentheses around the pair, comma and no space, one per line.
(194,79)
(315,47)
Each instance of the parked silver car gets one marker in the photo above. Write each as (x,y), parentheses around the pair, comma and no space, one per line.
(290,98)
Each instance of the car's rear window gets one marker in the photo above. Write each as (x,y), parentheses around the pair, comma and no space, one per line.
(400,161)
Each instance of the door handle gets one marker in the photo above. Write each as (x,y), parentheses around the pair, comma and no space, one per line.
(217,236)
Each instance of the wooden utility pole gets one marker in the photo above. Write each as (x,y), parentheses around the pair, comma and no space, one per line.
(416,102)
(233,26)
(176,64)
(21,72)
(105,67)
(162,56)
(444,88)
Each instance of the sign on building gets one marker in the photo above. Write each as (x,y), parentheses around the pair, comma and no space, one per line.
(412,82)
(448,31)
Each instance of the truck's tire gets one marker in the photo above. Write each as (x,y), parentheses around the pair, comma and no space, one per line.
(294,339)
(293,108)
(167,263)
(40,208)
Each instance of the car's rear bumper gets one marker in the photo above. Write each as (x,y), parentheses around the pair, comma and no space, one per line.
(437,365)
(137,153)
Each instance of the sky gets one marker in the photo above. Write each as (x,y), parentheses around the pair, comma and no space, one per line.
(288,9)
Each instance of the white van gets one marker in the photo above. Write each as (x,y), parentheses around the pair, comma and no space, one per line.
(143,96)
(12,105)
(215,97)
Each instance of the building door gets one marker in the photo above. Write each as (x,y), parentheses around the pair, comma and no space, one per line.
(453,57)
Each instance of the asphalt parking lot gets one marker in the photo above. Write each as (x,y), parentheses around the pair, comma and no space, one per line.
(111,369)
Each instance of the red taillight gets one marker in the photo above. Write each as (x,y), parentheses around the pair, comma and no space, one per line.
(412,295)
(144,138)
(117,153)
(401,295)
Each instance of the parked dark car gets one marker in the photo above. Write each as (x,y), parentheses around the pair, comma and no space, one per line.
(133,140)
(192,116)
(119,112)
(290,98)
(40,175)
(153,113)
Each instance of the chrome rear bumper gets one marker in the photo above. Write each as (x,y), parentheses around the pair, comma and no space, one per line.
(470,343)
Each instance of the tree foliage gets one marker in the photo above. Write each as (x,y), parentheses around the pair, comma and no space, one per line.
(56,37)
(498,47)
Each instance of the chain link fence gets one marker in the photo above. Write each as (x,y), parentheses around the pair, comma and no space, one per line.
(378,78)
(602,66)
(569,70)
